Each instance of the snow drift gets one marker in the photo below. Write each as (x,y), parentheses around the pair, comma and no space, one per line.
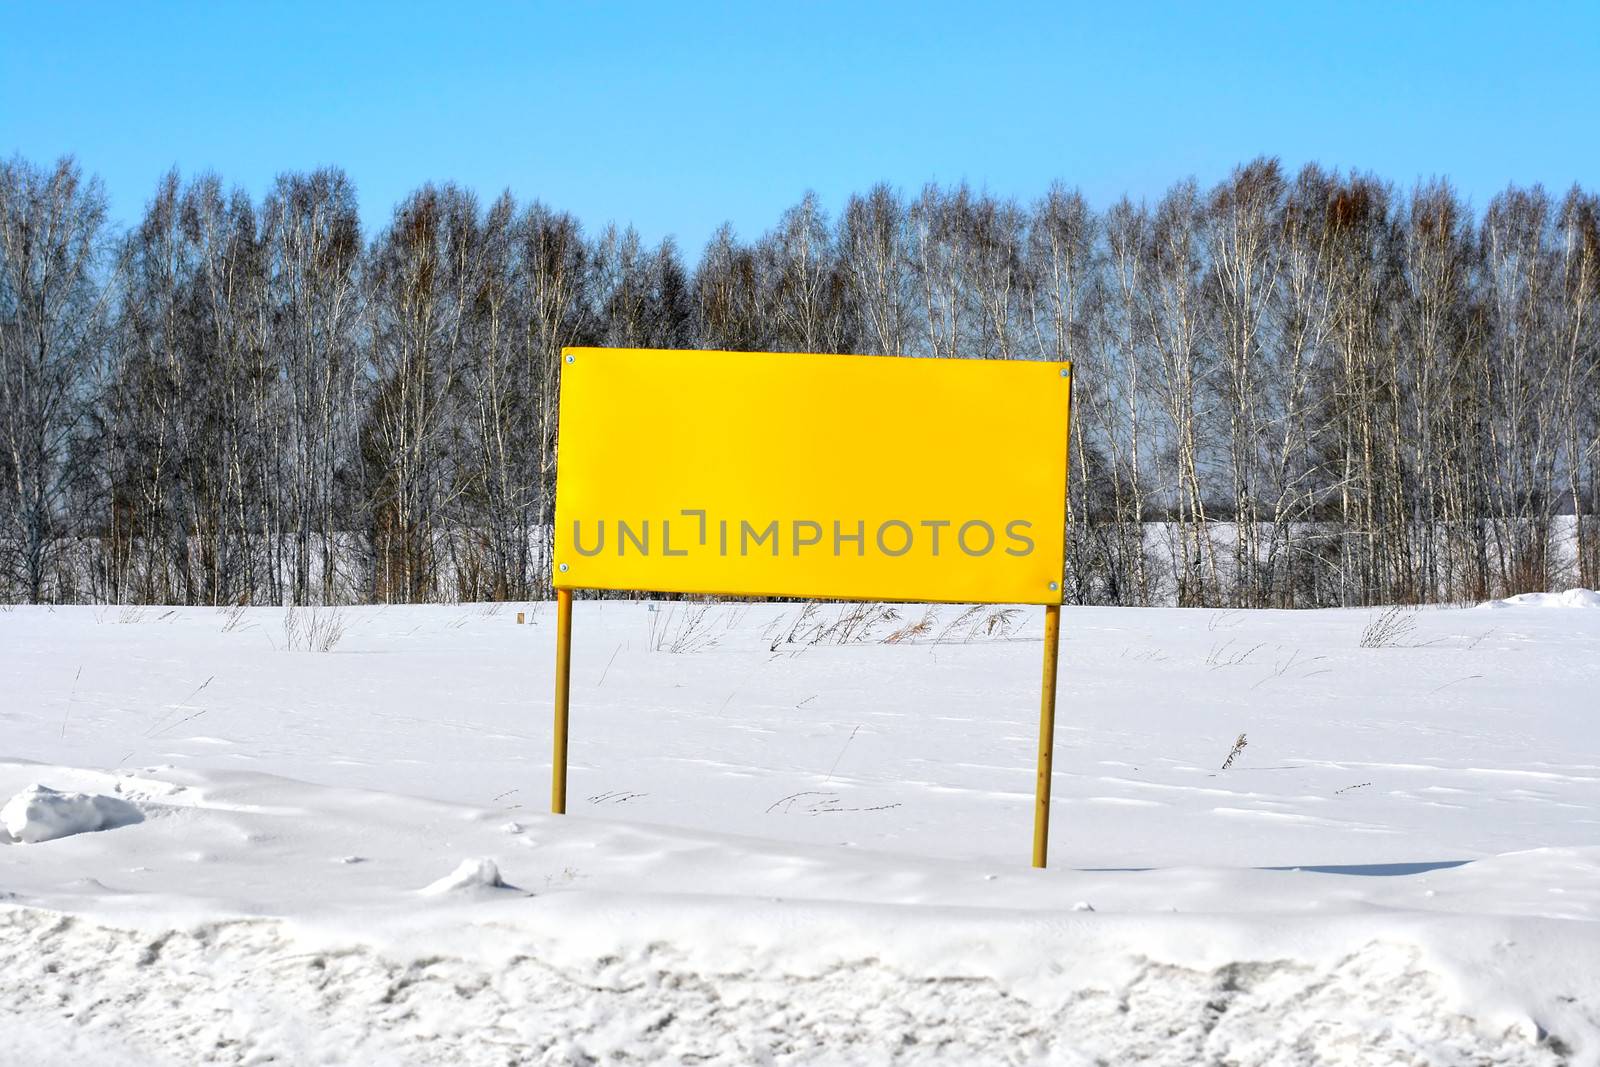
(40,813)
(1572,598)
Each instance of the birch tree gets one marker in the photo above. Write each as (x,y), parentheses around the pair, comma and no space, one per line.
(53,317)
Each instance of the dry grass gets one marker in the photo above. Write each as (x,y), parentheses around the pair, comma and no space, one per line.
(1392,628)
(680,628)
(966,620)
(856,622)
(853,624)
(233,616)
(1226,654)
(911,631)
(312,629)
(864,622)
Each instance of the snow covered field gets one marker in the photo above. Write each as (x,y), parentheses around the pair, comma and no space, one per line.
(800,851)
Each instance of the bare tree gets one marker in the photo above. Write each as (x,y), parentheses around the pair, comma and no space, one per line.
(873,247)
(1520,277)
(1577,401)
(935,223)
(1293,392)
(728,296)
(797,263)
(1169,304)
(425,281)
(1242,247)
(313,248)
(52,324)
(231,300)
(555,285)
(1436,351)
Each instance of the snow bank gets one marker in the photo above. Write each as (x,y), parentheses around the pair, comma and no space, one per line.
(40,814)
(259,992)
(1572,598)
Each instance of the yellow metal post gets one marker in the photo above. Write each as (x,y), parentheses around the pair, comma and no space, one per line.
(558,762)
(1047,734)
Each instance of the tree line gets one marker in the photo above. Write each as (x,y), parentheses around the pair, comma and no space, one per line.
(1292,390)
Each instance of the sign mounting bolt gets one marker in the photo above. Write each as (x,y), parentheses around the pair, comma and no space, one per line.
(1052,584)
(570,359)
(563,569)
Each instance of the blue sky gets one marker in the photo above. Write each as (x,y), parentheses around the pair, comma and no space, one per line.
(678,116)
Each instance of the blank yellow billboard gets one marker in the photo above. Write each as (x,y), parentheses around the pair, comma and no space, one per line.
(821,476)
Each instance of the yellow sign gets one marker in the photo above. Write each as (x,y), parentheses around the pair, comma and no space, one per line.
(828,477)
(820,476)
